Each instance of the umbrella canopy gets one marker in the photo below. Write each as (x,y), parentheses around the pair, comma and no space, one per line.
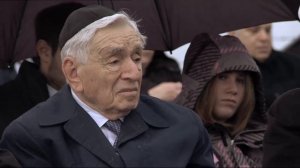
(17,36)
(168,24)
(171,23)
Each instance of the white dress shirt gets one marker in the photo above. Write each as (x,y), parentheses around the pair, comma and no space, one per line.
(51,90)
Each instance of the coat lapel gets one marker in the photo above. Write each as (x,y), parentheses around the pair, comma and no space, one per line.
(132,126)
(138,122)
(93,139)
(80,126)
(83,129)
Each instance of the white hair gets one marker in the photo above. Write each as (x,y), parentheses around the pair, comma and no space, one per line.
(77,46)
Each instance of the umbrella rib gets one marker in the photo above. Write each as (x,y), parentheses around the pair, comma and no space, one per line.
(293,6)
(18,32)
(168,36)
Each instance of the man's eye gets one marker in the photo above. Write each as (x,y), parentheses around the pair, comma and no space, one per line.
(114,61)
(138,59)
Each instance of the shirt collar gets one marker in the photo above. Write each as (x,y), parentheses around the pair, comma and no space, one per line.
(51,90)
(96,116)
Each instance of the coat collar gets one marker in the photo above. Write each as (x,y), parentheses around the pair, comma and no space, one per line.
(76,121)
(93,139)
(150,111)
(53,113)
(63,100)
(139,120)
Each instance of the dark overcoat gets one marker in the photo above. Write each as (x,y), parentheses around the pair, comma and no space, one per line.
(60,133)
(282,138)
(280,73)
(19,95)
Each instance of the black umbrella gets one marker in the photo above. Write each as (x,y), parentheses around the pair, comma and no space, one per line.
(17,37)
(172,23)
(167,23)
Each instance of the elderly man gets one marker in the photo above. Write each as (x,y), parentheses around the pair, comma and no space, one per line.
(99,119)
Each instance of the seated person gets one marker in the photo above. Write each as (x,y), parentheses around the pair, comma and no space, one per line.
(280,71)
(36,82)
(99,119)
(222,84)
(282,138)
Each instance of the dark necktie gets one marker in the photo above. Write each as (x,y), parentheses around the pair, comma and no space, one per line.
(115,127)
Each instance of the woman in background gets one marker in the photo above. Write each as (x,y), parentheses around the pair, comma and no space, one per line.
(222,83)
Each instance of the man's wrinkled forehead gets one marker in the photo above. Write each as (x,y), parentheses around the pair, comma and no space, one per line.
(115,41)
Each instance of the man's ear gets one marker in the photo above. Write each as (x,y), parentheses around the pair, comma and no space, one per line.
(70,70)
(44,52)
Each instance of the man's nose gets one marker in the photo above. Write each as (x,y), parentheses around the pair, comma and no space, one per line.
(132,70)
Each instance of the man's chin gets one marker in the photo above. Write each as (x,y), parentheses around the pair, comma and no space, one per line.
(129,105)
(124,111)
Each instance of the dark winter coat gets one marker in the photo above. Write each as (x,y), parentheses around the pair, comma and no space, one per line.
(280,73)
(282,138)
(59,133)
(19,95)
(207,57)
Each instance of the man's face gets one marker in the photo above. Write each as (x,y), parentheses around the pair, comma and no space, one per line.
(111,78)
(257,40)
(50,64)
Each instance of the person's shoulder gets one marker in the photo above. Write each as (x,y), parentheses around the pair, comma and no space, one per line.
(10,88)
(18,86)
(12,98)
(31,116)
(286,108)
(284,61)
(280,55)
(289,97)
(43,110)
(33,120)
